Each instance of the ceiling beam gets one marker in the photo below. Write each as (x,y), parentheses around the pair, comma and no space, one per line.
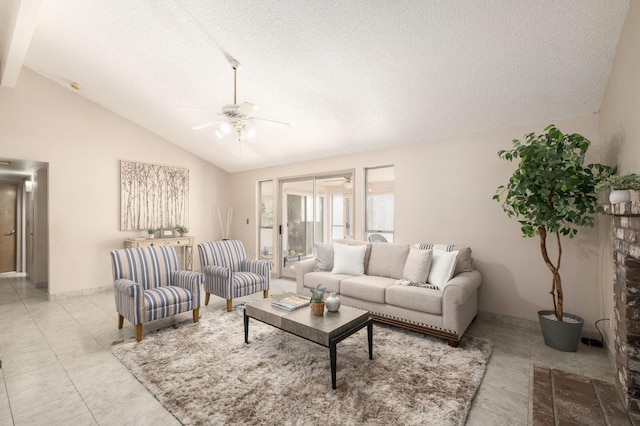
(20,23)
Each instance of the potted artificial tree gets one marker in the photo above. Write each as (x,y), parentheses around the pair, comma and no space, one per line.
(620,185)
(552,191)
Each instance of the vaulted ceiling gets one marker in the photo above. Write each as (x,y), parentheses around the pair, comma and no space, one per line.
(349,76)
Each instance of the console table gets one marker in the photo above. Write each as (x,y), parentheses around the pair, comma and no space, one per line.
(183,245)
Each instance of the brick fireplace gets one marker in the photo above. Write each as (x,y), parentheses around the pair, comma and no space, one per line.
(626,272)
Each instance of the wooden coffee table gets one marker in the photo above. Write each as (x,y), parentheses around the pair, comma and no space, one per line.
(326,330)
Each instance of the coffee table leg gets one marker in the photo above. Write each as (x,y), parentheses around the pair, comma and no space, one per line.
(332,355)
(246,327)
(370,337)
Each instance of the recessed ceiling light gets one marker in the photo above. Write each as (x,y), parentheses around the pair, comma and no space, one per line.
(5,163)
(75,85)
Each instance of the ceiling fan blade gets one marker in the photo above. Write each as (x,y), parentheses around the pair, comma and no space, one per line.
(270,122)
(198,108)
(246,108)
(205,125)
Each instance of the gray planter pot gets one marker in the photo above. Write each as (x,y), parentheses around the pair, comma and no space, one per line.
(560,335)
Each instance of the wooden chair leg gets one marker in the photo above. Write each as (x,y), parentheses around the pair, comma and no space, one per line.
(120,322)
(206,298)
(138,332)
(266,294)
(196,315)
(229,305)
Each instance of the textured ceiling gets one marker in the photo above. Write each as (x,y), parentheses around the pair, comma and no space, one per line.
(349,76)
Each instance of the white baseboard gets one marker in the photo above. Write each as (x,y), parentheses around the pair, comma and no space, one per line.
(76,293)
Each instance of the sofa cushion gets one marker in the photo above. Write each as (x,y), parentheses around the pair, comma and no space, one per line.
(464,261)
(416,298)
(387,260)
(357,243)
(324,256)
(327,280)
(348,259)
(366,287)
(442,267)
(417,265)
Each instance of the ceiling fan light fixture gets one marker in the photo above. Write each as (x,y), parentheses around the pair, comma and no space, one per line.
(222,130)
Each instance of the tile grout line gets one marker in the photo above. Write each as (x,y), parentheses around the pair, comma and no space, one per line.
(556,420)
(6,390)
(54,352)
(62,365)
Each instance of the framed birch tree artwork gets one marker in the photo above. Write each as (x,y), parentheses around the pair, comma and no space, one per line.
(153,196)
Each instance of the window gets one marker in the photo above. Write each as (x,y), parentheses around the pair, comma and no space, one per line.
(337,216)
(380,202)
(265,236)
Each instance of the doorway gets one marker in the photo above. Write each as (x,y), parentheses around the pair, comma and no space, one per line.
(24,223)
(8,226)
(314,209)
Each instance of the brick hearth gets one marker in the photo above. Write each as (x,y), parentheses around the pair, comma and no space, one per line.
(626,259)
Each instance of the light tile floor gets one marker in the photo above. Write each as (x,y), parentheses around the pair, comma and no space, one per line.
(57,368)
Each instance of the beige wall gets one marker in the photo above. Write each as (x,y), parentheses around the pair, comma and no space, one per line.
(444,193)
(83,144)
(620,130)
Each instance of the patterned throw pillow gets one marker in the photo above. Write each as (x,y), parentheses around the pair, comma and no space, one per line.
(324,257)
(464,262)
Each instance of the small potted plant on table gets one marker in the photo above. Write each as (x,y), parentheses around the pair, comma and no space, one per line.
(317,300)
(182,230)
(151,232)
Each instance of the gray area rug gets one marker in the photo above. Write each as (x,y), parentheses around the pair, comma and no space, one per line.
(205,374)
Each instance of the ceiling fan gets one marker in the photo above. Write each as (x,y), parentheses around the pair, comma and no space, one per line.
(344,181)
(238,117)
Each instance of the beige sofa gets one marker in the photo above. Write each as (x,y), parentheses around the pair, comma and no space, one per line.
(393,286)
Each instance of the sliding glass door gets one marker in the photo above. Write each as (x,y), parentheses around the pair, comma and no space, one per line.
(299,222)
(313,209)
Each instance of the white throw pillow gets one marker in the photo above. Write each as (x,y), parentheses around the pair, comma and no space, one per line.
(348,259)
(442,267)
(416,268)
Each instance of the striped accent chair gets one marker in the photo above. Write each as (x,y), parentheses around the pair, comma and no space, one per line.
(148,286)
(229,274)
